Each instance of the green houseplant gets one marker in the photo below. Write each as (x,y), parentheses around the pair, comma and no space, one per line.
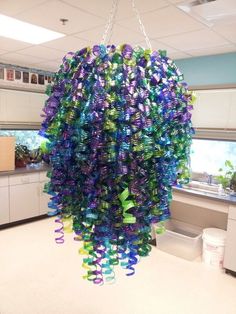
(227,176)
(35,155)
(233,182)
(21,155)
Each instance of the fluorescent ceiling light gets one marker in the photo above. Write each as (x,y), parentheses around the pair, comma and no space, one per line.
(210,10)
(29,33)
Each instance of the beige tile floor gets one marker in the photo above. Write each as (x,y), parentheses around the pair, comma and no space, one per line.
(39,277)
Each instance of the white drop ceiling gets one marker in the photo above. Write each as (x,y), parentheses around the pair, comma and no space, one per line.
(182,34)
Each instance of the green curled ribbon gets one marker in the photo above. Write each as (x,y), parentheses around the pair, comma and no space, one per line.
(160,229)
(44,146)
(126,205)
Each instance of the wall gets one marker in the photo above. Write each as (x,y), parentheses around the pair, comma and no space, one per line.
(209,70)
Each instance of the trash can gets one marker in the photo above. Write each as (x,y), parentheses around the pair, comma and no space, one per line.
(213,247)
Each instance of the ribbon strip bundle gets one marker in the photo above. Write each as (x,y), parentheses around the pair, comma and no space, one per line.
(119,130)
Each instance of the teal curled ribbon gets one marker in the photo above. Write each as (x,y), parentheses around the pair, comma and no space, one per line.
(126,205)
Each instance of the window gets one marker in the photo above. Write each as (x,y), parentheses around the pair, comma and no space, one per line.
(210,155)
(29,138)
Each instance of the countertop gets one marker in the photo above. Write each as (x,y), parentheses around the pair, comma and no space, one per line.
(44,167)
(216,197)
(28,169)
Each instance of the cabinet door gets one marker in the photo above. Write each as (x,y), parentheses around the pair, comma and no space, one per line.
(36,104)
(24,201)
(231,124)
(211,109)
(16,105)
(44,199)
(4,205)
(20,107)
(2,107)
(230,251)
(215,108)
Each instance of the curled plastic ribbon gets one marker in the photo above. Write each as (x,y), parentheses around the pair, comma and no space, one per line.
(118,128)
(126,205)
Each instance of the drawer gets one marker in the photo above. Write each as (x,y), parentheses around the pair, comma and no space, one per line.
(23,178)
(232,212)
(43,176)
(4,181)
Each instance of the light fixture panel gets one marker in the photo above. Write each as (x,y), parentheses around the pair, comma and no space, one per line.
(26,32)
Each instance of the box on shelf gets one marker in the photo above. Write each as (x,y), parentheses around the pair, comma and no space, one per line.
(7,153)
(180,239)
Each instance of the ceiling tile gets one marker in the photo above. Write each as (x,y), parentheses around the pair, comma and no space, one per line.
(212,51)
(42,52)
(13,7)
(157,45)
(120,35)
(176,1)
(227,30)
(150,5)
(49,14)
(17,58)
(178,55)
(68,43)
(124,8)
(11,44)
(92,6)
(195,40)
(164,22)
(94,35)
(2,51)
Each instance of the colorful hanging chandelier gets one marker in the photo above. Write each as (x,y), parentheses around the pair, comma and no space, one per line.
(119,130)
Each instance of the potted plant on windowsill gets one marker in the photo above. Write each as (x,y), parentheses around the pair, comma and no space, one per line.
(35,156)
(21,156)
(227,177)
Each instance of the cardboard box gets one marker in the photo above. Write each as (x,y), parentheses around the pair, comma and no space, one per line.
(7,153)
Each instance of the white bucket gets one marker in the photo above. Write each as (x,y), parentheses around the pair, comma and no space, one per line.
(213,247)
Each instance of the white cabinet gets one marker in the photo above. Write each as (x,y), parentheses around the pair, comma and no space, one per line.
(215,109)
(4,200)
(230,251)
(4,181)
(22,196)
(2,107)
(44,197)
(21,107)
(36,104)
(232,112)
(4,205)
(24,201)
(24,178)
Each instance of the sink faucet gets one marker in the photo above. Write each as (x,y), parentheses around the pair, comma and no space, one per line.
(209,178)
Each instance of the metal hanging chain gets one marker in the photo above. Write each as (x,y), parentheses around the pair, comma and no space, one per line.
(113,21)
(142,28)
(110,23)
